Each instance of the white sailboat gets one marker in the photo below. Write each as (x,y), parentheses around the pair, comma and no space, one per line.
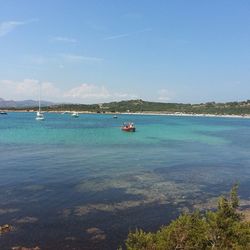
(39,114)
(75,114)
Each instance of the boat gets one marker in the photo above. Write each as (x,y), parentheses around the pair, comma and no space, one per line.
(128,127)
(3,113)
(115,116)
(39,114)
(75,114)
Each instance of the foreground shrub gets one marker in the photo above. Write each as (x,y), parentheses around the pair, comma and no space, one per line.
(222,229)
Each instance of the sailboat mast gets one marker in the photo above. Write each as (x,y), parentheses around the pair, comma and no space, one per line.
(39,115)
(39,98)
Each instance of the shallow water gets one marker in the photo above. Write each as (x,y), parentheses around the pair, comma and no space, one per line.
(82,183)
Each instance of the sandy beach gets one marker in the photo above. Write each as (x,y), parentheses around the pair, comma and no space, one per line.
(243,116)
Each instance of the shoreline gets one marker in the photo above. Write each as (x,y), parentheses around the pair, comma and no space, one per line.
(190,115)
(177,114)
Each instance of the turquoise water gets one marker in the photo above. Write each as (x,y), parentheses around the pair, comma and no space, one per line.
(101,130)
(82,183)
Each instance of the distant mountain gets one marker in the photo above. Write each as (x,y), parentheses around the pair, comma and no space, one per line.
(22,104)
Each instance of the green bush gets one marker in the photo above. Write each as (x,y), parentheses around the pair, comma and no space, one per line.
(222,229)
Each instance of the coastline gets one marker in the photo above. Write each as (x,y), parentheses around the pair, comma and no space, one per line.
(190,115)
(178,114)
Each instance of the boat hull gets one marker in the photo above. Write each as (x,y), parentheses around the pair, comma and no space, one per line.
(75,114)
(128,129)
(39,118)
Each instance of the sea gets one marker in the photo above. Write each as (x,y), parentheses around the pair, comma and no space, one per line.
(83,183)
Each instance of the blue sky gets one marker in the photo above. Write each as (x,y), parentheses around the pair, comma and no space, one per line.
(100,51)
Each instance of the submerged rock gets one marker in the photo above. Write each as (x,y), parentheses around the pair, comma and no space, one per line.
(94,230)
(98,237)
(27,219)
(8,210)
(70,238)
(96,234)
(5,228)
(25,248)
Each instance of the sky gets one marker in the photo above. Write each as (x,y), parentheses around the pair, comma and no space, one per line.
(94,51)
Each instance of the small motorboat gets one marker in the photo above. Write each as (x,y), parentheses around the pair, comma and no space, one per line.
(128,127)
(3,113)
(115,116)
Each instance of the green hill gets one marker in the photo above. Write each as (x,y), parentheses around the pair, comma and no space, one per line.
(228,108)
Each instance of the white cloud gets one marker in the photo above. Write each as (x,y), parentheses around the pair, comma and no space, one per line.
(64,39)
(91,93)
(117,36)
(37,59)
(28,89)
(72,58)
(88,91)
(125,96)
(83,93)
(8,26)
(126,34)
(50,91)
(60,60)
(27,86)
(164,95)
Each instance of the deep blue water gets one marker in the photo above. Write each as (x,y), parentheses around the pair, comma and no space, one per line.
(82,183)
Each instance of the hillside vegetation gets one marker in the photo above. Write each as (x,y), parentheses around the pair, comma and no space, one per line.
(229,108)
(237,108)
